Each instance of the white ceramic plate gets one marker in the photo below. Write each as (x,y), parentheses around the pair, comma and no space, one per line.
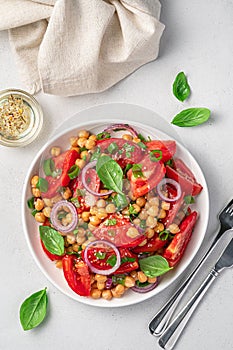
(62,139)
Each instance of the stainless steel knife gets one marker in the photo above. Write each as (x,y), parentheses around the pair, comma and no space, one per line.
(169,338)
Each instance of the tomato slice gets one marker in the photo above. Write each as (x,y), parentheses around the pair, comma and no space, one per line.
(77,275)
(100,258)
(124,152)
(153,172)
(129,261)
(168,148)
(85,199)
(153,244)
(64,162)
(176,248)
(173,211)
(183,175)
(118,233)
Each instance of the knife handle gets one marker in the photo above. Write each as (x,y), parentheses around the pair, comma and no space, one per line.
(169,338)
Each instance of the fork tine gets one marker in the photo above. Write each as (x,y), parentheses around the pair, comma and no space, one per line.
(230,209)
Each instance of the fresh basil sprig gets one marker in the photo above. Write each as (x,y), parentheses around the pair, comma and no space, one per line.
(110,173)
(52,240)
(181,88)
(33,310)
(191,117)
(154,266)
(42,184)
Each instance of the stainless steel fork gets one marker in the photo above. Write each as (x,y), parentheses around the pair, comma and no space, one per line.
(163,316)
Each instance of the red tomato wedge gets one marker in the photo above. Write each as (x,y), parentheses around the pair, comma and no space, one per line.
(153,173)
(129,261)
(176,248)
(173,211)
(118,233)
(124,152)
(64,162)
(153,244)
(168,148)
(184,176)
(77,275)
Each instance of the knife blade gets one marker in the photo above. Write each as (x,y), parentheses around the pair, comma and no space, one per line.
(226,258)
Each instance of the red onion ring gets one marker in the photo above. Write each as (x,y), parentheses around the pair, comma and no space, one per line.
(83,178)
(54,219)
(172,182)
(145,289)
(122,127)
(94,269)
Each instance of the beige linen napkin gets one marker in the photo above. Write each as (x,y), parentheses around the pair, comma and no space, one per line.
(72,47)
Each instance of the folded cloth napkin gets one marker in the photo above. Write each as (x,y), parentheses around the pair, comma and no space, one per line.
(74,47)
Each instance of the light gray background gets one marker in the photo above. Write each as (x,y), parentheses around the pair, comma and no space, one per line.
(198,40)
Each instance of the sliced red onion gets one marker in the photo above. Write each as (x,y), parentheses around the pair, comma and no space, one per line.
(56,222)
(108,283)
(167,181)
(83,177)
(145,289)
(108,244)
(122,127)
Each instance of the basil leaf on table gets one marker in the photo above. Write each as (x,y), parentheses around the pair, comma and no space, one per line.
(191,117)
(154,266)
(52,240)
(33,310)
(110,173)
(181,88)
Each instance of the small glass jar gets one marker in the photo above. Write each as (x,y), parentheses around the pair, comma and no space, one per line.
(21,118)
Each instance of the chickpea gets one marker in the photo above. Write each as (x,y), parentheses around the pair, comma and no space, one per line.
(136,140)
(93,137)
(101,203)
(39,205)
(143,215)
(141,201)
(131,196)
(83,133)
(134,275)
(129,282)
(91,227)
(165,205)
(151,222)
(75,247)
(106,294)
(85,216)
(153,210)
(59,264)
(84,155)
(77,149)
(56,198)
(154,201)
(64,221)
(150,233)
(94,220)
(80,163)
(69,249)
(127,137)
(151,280)
(36,192)
(67,193)
(110,208)
(100,278)
(159,227)
(119,289)
(70,239)
(47,202)
(55,151)
(101,213)
(34,180)
(73,141)
(93,210)
(137,208)
(125,212)
(142,277)
(174,228)
(137,221)
(95,293)
(82,142)
(69,218)
(80,240)
(39,217)
(47,212)
(100,285)
(143,243)
(81,232)
(162,214)
(90,144)
(132,232)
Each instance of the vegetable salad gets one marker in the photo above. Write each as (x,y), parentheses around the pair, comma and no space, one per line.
(115,210)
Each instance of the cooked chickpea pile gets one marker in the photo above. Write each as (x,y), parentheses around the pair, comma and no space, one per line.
(149,209)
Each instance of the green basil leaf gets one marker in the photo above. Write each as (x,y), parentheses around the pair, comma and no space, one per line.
(126,259)
(30,203)
(100,255)
(96,154)
(103,135)
(112,260)
(137,170)
(181,88)
(110,173)
(118,279)
(110,222)
(112,147)
(154,266)
(189,199)
(191,117)
(52,240)
(49,166)
(73,172)
(120,201)
(33,310)
(42,184)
